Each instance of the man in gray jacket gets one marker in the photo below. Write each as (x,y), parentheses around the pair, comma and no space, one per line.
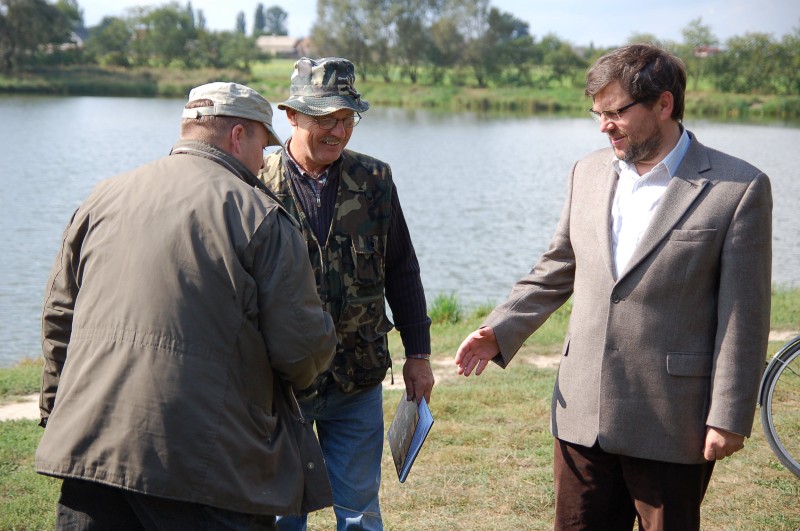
(180,312)
(666,246)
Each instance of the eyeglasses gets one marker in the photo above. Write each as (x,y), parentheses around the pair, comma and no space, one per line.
(611,116)
(329,122)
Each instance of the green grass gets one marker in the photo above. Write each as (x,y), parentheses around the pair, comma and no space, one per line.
(22,379)
(271,78)
(487,463)
(445,309)
(785,309)
(27,500)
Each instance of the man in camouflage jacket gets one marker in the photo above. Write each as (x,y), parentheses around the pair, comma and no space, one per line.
(361,253)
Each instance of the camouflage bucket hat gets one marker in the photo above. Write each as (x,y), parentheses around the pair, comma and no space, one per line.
(323,86)
(233,99)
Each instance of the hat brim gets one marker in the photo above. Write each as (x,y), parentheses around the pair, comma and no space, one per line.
(274,139)
(314,106)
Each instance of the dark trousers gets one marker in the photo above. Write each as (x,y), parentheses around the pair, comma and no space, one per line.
(89,506)
(596,490)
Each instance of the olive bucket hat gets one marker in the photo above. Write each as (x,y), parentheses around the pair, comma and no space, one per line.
(323,86)
(233,99)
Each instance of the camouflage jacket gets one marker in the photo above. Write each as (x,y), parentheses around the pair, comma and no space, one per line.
(349,266)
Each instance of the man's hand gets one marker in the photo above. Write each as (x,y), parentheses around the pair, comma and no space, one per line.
(418,377)
(721,444)
(476,351)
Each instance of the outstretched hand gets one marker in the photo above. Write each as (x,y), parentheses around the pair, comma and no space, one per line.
(476,351)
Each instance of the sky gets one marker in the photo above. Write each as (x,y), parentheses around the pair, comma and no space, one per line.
(581,22)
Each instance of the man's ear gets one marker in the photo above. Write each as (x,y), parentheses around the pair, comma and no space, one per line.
(665,104)
(235,138)
(291,115)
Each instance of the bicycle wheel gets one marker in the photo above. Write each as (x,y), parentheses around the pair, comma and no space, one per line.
(780,405)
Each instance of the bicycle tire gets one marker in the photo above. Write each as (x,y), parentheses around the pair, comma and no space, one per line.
(775,392)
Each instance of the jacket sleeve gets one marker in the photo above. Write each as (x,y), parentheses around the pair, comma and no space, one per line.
(743,311)
(59,304)
(404,291)
(299,335)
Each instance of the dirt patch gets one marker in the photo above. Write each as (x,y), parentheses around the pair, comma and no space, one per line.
(444,369)
(26,407)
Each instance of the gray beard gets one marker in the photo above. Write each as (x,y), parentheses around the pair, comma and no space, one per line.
(645,150)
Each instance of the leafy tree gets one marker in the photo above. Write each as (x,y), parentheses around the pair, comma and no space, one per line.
(341,30)
(200,23)
(166,34)
(495,42)
(237,50)
(72,13)
(788,75)
(109,42)
(446,45)
(751,63)
(26,26)
(561,58)
(241,23)
(258,21)
(644,38)
(411,41)
(275,21)
(515,51)
(698,40)
(381,35)
(473,17)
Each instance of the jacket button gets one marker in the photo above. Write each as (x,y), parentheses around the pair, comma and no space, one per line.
(310,465)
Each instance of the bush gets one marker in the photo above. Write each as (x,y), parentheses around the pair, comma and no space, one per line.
(445,309)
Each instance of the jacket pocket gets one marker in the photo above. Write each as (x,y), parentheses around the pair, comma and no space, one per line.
(263,422)
(689,364)
(367,261)
(693,235)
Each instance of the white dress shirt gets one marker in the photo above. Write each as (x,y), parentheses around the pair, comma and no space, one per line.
(636,198)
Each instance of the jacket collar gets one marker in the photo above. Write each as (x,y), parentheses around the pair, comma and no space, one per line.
(208,151)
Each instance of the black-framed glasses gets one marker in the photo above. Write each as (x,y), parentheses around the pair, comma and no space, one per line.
(612,116)
(329,122)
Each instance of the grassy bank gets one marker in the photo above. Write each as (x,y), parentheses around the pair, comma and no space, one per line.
(487,462)
(272,79)
(96,81)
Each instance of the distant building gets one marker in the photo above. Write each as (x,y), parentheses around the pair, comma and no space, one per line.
(706,51)
(305,47)
(75,42)
(280,45)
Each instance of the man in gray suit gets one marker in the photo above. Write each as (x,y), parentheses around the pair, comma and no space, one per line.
(666,246)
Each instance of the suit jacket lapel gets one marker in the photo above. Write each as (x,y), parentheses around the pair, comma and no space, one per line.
(607,188)
(684,188)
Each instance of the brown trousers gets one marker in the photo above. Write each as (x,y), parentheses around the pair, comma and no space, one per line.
(596,490)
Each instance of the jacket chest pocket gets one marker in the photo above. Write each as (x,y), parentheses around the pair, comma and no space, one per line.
(693,235)
(364,261)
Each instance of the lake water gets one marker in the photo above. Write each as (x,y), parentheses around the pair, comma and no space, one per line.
(481,194)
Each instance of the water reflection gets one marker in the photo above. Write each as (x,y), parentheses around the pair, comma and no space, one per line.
(481,194)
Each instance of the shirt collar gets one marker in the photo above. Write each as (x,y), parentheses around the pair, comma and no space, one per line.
(321,177)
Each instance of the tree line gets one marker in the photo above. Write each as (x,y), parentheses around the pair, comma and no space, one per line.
(458,42)
(38,32)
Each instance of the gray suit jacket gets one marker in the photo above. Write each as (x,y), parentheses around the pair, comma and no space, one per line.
(678,341)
